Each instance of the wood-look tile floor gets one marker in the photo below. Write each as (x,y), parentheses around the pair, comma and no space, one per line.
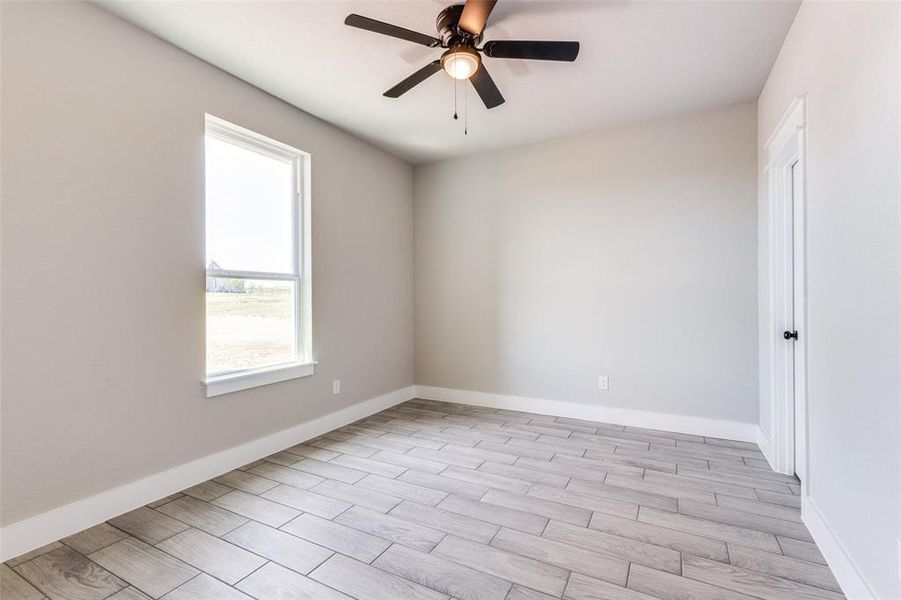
(433,501)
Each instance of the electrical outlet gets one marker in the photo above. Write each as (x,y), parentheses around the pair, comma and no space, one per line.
(603,383)
(336,386)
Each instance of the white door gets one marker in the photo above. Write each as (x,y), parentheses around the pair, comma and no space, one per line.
(788,333)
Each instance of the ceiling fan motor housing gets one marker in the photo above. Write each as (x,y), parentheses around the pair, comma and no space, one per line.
(449,31)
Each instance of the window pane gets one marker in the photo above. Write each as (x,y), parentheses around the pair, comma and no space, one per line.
(249,216)
(249,324)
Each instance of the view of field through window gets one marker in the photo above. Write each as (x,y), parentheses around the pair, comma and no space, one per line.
(251,230)
(250,326)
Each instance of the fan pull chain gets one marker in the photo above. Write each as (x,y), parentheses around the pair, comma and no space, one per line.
(455,90)
(465,101)
(466,110)
(455,99)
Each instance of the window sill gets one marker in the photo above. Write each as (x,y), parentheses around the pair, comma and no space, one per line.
(235,382)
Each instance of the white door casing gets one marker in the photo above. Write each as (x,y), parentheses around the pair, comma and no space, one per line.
(785,171)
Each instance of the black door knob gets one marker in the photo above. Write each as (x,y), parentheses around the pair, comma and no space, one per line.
(790,335)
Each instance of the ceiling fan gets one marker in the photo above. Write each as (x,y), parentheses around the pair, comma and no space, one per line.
(460,30)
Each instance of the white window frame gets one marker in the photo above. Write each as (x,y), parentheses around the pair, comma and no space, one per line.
(224,383)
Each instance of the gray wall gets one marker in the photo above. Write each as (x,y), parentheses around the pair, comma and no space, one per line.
(103,259)
(845,57)
(629,252)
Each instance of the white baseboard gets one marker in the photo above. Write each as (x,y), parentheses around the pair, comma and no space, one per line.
(844,567)
(766,446)
(733,430)
(36,531)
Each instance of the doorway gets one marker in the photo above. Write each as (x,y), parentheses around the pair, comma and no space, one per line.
(788,326)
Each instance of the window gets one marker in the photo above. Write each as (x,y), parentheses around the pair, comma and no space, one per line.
(257,260)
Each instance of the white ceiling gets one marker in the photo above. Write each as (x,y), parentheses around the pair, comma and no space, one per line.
(639,60)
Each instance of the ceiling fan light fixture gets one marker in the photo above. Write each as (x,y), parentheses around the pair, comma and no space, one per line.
(460,28)
(461,62)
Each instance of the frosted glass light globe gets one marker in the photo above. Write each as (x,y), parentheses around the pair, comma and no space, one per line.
(460,64)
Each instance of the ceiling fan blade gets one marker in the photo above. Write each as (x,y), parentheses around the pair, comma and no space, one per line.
(475,14)
(485,87)
(413,80)
(392,30)
(565,51)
